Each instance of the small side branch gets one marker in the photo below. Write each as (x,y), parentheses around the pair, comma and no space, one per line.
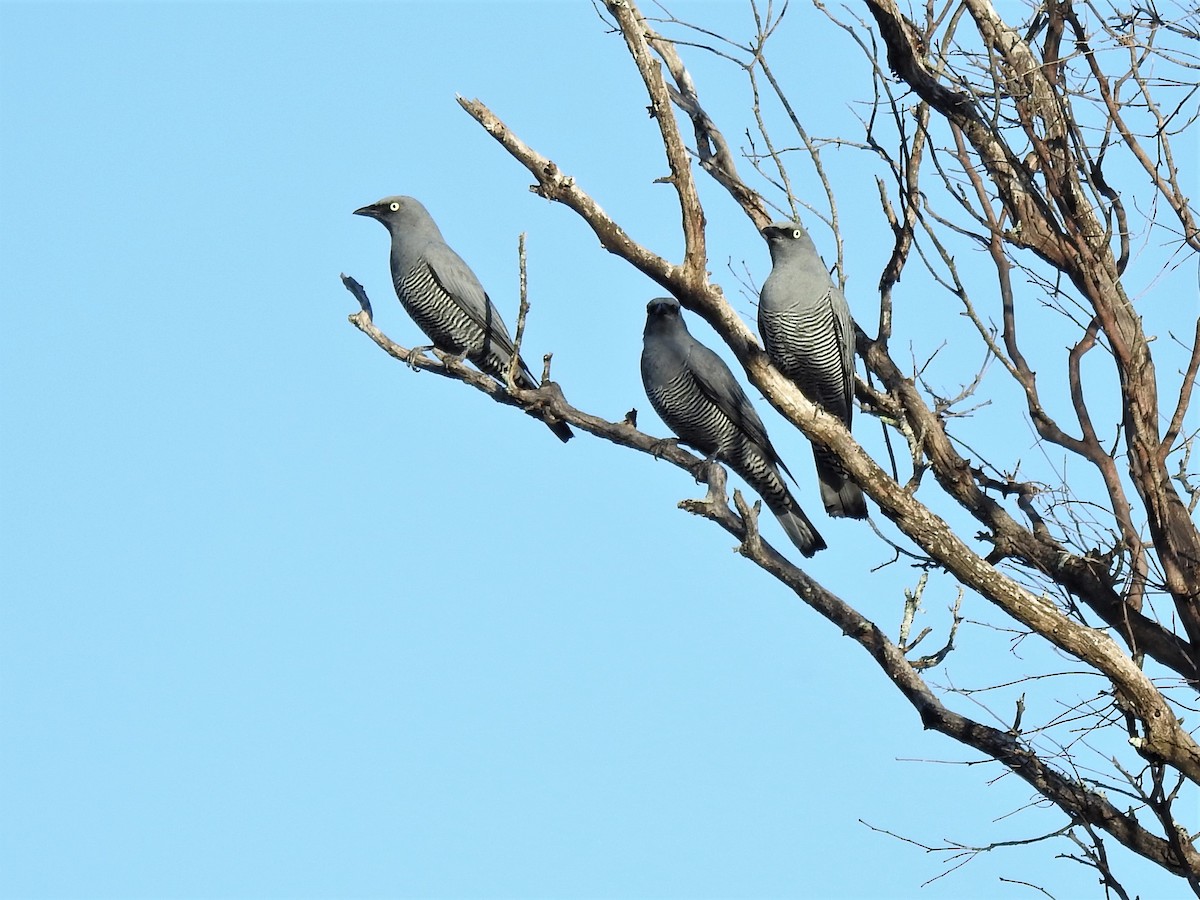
(635,30)
(360,295)
(1185,396)
(522,313)
(912,603)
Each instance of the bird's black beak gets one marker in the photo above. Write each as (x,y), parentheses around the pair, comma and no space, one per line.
(372,211)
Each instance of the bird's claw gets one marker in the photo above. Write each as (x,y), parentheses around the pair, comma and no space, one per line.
(701,469)
(660,447)
(416,353)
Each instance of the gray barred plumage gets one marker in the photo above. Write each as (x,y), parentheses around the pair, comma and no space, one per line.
(806,328)
(696,395)
(444,297)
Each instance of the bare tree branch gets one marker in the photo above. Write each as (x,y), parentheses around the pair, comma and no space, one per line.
(1008,143)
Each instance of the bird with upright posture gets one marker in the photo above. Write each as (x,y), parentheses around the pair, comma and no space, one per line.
(696,395)
(805,325)
(444,297)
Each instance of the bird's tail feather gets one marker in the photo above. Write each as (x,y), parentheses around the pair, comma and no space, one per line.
(561,430)
(801,531)
(841,496)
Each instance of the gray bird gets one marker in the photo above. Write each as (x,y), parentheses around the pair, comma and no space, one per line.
(444,297)
(696,395)
(806,327)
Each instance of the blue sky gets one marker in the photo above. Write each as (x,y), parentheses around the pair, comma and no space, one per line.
(284,619)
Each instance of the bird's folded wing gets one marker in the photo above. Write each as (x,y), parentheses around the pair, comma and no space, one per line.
(456,278)
(718,384)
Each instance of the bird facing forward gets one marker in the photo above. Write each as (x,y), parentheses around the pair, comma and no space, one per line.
(696,395)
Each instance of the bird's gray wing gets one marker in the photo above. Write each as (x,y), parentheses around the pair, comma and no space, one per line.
(843,325)
(718,384)
(456,278)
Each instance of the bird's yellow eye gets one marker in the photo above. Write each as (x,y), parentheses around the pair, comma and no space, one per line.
(796,234)
(394,206)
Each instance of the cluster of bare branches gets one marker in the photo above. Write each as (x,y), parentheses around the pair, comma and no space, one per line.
(1017,140)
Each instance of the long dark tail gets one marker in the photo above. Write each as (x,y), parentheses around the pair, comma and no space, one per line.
(841,496)
(756,465)
(801,531)
(561,430)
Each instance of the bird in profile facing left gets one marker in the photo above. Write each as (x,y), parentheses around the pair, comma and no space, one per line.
(443,295)
(806,328)
(696,395)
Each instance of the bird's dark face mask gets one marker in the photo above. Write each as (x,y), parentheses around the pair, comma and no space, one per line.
(662,307)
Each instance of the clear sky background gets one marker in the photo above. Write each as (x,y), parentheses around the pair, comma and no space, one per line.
(282,618)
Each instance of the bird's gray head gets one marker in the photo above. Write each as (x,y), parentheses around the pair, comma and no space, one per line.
(662,307)
(662,313)
(787,237)
(398,214)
